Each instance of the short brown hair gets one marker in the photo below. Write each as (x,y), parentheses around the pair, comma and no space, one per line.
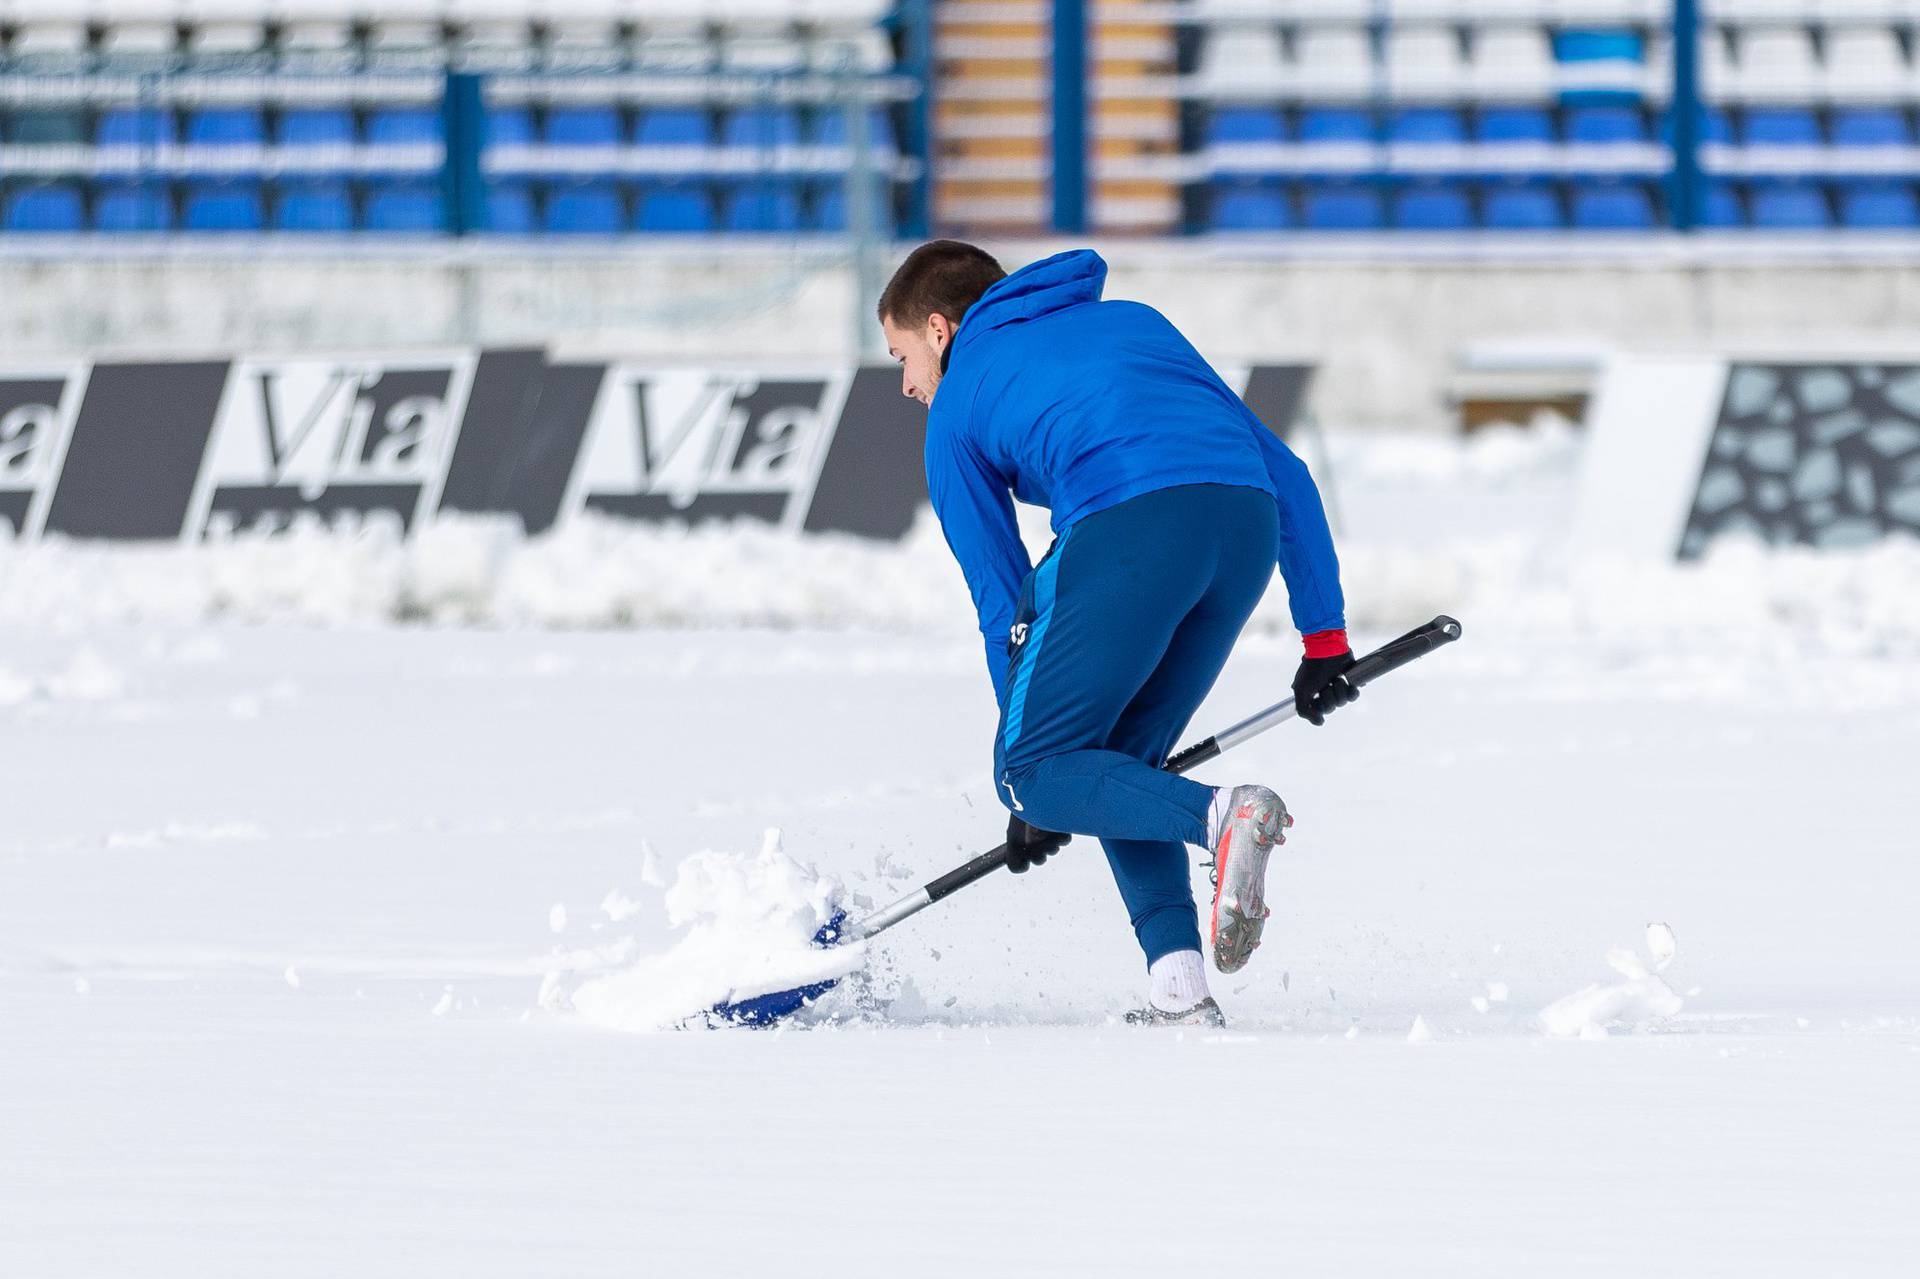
(941,277)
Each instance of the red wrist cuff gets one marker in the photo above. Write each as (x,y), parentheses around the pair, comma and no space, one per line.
(1326,643)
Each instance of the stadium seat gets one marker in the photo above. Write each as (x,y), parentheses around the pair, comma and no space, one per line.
(1887,206)
(1506,126)
(1789,206)
(135,127)
(1780,127)
(1775,64)
(761,128)
(829,209)
(584,208)
(1605,126)
(1425,61)
(675,208)
(1720,207)
(762,206)
(1612,207)
(132,206)
(1512,62)
(1320,125)
(510,208)
(315,127)
(1330,63)
(403,126)
(1249,206)
(675,127)
(1871,127)
(60,126)
(1864,64)
(1342,208)
(1521,208)
(1241,58)
(313,206)
(1230,125)
(223,206)
(1427,126)
(1599,65)
(53,207)
(227,127)
(830,130)
(1432,208)
(403,208)
(583,126)
(509,126)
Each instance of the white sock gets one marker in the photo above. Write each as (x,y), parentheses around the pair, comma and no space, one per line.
(1179,981)
(1217,813)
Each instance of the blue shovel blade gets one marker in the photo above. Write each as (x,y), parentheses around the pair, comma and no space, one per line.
(764,1010)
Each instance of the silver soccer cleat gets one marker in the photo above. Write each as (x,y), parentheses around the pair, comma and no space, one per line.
(1204,1013)
(1256,823)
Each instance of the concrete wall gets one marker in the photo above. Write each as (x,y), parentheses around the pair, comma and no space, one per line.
(1386,320)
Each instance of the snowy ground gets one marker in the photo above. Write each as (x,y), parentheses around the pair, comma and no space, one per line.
(289,914)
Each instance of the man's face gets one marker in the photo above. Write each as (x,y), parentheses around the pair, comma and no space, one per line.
(919,351)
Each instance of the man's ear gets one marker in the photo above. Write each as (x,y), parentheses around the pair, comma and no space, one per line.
(939,331)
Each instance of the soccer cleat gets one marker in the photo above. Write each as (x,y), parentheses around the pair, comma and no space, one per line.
(1204,1013)
(1256,821)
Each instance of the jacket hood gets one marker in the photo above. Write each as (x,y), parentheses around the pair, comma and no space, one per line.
(1040,288)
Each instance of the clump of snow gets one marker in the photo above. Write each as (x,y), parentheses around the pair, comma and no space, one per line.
(557,917)
(1419,1034)
(618,907)
(1641,999)
(749,927)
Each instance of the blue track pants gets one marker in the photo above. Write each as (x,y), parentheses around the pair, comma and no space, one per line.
(1121,631)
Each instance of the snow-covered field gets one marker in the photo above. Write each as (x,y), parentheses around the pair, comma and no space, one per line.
(294,897)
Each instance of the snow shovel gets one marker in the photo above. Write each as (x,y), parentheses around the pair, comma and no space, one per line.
(760,1010)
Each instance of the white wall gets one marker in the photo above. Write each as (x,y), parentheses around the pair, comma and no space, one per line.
(1385,321)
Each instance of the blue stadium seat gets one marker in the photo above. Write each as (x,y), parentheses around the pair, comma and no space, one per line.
(1229,125)
(830,130)
(1336,124)
(1514,125)
(1432,208)
(675,127)
(403,207)
(1789,206)
(763,206)
(1250,206)
(313,206)
(1427,125)
(1715,126)
(762,127)
(1612,208)
(59,126)
(1780,127)
(1879,205)
(585,126)
(51,207)
(315,127)
(510,208)
(1342,208)
(829,210)
(1603,126)
(403,126)
(509,126)
(1871,127)
(1586,45)
(135,127)
(223,206)
(228,127)
(1521,208)
(675,208)
(132,206)
(1721,207)
(584,208)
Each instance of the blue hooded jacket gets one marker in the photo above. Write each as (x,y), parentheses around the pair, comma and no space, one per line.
(1061,400)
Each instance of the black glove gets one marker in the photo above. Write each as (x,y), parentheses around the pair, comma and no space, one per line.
(1320,686)
(1029,845)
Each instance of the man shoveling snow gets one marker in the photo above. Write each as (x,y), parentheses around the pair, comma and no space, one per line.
(1171,503)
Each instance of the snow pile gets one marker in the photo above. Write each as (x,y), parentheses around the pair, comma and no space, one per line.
(87,677)
(1641,999)
(750,924)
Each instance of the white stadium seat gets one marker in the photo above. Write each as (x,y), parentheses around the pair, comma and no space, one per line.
(1512,62)
(1333,62)
(763,54)
(1425,61)
(860,49)
(1775,64)
(1242,59)
(1864,64)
